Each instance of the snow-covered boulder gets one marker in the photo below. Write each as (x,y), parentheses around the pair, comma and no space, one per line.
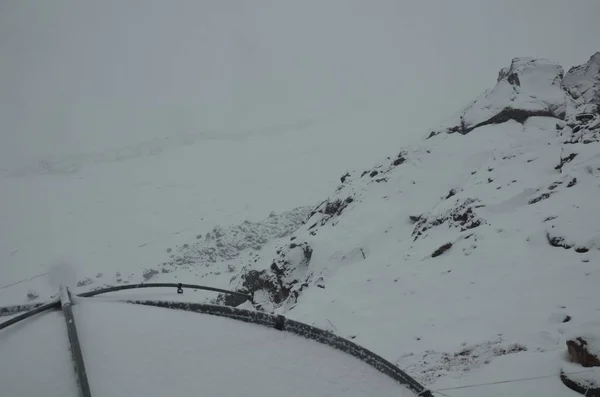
(529,87)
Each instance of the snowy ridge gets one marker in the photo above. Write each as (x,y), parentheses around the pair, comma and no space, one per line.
(529,87)
(458,240)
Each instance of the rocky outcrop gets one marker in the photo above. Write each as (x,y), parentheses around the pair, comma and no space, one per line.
(583,82)
(461,216)
(529,87)
(580,352)
(286,277)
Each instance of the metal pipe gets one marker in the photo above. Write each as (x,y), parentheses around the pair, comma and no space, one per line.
(65,300)
(308,331)
(44,307)
(16,309)
(160,285)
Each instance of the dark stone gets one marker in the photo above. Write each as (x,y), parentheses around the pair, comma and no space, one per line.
(415,218)
(566,319)
(441,250)
(374,173)
(451,193)
(579,353)
(399,161)
(344,177)
(572,182)
(544,196)
(584,117)
(565,160)
(513,79)
(582,250)
(558,242)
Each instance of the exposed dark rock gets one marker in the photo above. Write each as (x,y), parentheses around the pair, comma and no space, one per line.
(565,160)
(583,117)
(398,161)
(579,353)
(415,218)
(462,216)
(451,193)
(544,196)
(572,182)
(344,177)
(566,319)
(513,79)
(558,242)
(373,173)
(581,250)
(281,281)
(554,185)
(332,207)
(441,250)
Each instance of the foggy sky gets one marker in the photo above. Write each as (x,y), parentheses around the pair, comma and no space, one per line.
(79,76)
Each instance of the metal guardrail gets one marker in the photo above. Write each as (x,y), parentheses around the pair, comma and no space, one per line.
(42,308)
(76,353)
(308,331)
(16,309)
(278,322)
(179,287)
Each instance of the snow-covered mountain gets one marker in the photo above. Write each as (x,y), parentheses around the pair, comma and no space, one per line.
(479,245)
(469,256)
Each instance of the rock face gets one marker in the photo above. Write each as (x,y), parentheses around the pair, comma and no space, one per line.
(580,352)
(583,82)
(529,87)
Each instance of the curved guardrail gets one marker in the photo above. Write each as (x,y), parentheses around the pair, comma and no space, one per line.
(308,331)
(16,309)
(42,308)
(179,286)
(278,322)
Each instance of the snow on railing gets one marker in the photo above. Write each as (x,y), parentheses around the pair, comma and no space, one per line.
(278,322)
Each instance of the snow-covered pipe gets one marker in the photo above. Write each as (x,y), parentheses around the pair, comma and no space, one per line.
(179,286)
(65,300)
(55,304)
(308,331)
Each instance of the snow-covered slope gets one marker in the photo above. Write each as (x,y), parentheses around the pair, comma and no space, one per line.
(464,258)
(464,249)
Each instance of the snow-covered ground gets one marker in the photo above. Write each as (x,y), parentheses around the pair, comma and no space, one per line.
(468,256)
(142,351)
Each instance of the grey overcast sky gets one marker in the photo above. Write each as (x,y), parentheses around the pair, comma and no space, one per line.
(78,76)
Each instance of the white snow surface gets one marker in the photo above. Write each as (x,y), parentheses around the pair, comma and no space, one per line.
(35,358)
(513,203)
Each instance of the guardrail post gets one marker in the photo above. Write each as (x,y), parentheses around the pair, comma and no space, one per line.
(65,300)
